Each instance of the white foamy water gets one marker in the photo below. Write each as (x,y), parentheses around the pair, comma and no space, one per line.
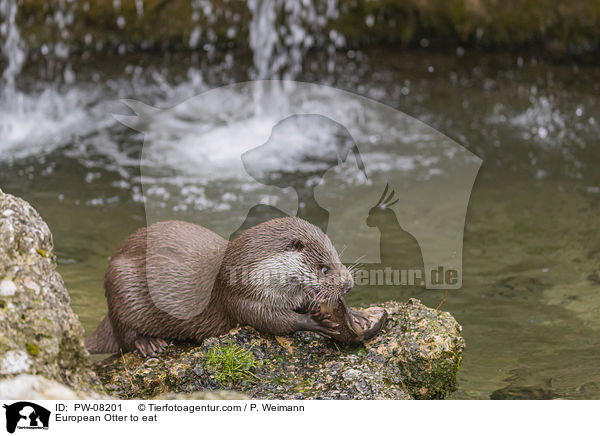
(31,124)
(39,121)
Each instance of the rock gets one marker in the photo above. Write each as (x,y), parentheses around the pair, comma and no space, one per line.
(35,387)
(205,395)
(7,288)
(39,333)
(416,355)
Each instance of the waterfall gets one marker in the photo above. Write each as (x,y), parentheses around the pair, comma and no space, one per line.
(283,31)
(46,115)
(51,111)
(13,48)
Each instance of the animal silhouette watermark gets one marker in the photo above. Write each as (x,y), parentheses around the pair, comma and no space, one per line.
(390,192)
(25,415)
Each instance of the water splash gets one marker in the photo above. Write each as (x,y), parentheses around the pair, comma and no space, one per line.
(42,118)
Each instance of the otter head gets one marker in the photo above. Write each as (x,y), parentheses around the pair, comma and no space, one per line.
(288,262)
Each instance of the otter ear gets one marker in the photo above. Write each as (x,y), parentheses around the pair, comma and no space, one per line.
(297,245)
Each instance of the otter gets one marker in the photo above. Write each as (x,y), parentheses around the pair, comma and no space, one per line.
(175,280)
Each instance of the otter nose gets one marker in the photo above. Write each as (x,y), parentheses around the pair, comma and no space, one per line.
(346,286)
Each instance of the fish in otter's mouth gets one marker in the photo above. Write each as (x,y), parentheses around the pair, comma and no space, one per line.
(355,326)
(315,299)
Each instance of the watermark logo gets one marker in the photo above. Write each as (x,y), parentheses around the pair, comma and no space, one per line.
(389,191)
(25,415)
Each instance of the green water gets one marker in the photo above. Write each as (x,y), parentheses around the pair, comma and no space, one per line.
(530,301)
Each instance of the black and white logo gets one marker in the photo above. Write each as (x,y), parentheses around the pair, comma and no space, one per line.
(26,415)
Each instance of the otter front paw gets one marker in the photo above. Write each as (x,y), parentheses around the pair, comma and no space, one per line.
(150,346)
(321,323)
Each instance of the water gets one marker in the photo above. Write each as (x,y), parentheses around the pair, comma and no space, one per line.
(278,49)
(12,48)
(529,304)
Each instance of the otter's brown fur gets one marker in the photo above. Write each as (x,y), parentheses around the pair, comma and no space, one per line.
(177,280)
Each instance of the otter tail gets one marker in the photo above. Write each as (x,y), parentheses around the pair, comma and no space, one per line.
(103,339)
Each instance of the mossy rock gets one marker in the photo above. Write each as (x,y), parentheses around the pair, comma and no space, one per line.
(416,355)
(39,333)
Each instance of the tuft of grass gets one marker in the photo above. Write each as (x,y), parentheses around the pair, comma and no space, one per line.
(231,364)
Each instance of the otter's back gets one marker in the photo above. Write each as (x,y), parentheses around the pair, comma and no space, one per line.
(181,262)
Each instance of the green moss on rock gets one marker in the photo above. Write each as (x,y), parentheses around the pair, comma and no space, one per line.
(33,349)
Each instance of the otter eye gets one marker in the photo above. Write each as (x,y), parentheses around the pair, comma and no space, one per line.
(297,244)
(324,270)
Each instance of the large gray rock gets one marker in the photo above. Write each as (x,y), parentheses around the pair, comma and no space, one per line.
(416,355)
(39,333)
(36,387)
